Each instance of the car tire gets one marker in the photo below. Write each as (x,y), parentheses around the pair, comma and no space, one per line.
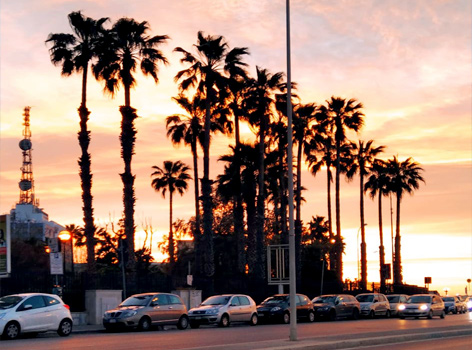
(387,314)
(144,324)
(311,316)
(11,331)
(65,328)
(430,314)
(224,322)
(253,320)
(443,314)
(355,314)
(183,322)
(454,311)
(194,325)
(332,315)
(286,318)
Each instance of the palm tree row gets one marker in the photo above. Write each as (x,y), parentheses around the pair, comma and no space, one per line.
(217,92)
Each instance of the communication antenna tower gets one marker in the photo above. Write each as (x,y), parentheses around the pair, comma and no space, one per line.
(27,183)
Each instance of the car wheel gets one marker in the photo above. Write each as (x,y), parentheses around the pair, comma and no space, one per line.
(224,322)
(332,315)
(311,316)
(454,311)
(387,314)
(183,322)
(65,328)
(430,314)
(286,318)
(402,317)
(194,325)
(11,331)
(443,314)
(371,314)
(253,320)
(355,314)
(144,324)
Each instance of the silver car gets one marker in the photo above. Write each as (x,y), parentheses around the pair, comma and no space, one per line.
(395,301)
(374,304)
(143,310)
(224,309)
(422,305)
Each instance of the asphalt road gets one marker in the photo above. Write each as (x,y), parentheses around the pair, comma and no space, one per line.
(453,343)
(236,337)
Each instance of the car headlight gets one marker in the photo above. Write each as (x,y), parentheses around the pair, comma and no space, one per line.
(129,313)
(469,303)
(401,307)
(367,307)
(276,308)
(212,311)
(424,307)
(324,308)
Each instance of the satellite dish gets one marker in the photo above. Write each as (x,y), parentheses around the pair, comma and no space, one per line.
(25,185)
(25,144)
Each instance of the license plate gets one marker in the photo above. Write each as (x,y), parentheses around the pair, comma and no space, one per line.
(198,318)
(112,320)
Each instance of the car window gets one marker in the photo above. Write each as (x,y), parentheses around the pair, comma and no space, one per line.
(51,301)
(365,298)
(235,301)
(298,300)
(416,299)
(36,302)
(217,300)
(244,301)
(137,300)
(173,299)
(9,301)
(402,299)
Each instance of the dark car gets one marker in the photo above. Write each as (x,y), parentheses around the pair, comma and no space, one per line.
(277,308)
(336,306)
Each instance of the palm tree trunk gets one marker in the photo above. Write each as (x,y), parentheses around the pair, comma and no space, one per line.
(238,214)
(339,254)
(197,234)
(381,248)
(397,269)
(171,234)
(251,213)
(298,214)
(260,205)
(363,243)
(332,257)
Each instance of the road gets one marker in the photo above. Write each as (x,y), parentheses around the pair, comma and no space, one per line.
(246,337)
(453,343)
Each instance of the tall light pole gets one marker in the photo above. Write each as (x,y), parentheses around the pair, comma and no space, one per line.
(65,236)
(291,236)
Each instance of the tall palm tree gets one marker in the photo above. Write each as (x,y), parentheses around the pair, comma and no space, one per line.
(75,52)
(172,177)
(259,103)
(404,177)
(378,185)
(343,115)
(363,154)
(207,73)
(126,47)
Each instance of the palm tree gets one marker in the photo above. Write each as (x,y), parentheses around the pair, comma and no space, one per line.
(171,177)
(378,184)
(126,46)
(404,177)
(259,103)
(343,115)
(74,53)
(363,154)
(206,73)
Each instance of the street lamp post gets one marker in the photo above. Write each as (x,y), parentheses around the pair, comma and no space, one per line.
(65,236)
(358,269)
(468,281)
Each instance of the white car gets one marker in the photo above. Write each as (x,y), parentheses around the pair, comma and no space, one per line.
(224,309)
(33,313)
(374,304)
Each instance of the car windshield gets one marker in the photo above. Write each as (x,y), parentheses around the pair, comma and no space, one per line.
(9,301)
(275,300)
(366,298)
(137,300)
(217,300)
(448,299)
(324,299)
(417,299)
(393,298)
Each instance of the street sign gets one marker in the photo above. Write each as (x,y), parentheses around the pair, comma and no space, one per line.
(56,263)
(427,280)
(278,264)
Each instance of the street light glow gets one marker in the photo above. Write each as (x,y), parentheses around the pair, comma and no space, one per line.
(64,235)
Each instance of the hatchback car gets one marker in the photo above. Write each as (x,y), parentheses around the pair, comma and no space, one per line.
(374,304)
(224,309)
(33,313)
(422,305)
(452,305)
(144,310)
(336,306)
(277,308)
(395,300)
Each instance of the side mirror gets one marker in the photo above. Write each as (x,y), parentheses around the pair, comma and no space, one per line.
(336,302)
(27,307)
(155,303)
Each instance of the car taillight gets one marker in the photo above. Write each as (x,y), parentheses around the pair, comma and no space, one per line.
(67,306)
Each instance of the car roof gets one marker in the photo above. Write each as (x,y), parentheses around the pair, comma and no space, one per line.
(30,295)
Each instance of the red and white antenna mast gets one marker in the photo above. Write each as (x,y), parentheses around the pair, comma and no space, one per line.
(27,183)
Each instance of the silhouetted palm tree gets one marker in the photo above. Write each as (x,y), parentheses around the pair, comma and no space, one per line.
(172,177)
(126,47)
(363,154)
(343,115)
(206,73)
(378,185)
(74,53)
(404,177)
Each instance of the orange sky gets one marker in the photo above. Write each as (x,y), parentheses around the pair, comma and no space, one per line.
(408,62)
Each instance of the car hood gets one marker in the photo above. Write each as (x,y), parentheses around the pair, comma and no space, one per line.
(206,307)
(366,303)
(268,307)
(319,305)
(125,308)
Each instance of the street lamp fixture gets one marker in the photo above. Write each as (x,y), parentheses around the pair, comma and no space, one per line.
(65,236)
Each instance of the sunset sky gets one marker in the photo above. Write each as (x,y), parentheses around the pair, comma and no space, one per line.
(408,62)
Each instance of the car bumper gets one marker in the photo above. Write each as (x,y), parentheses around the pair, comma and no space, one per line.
(321,312)
(413,313)
(204,319)
(267,316)
(120,322)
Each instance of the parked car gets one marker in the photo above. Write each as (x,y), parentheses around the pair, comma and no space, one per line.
(422,305)
(144,310)
(452,305)
(224,309)
(335,306)
(374,304)
(468,302)
(463,303)
(33,313)
(277,308)
(395,300)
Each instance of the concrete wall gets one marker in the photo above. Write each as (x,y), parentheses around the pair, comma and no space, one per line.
(99,301)
(191,297)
